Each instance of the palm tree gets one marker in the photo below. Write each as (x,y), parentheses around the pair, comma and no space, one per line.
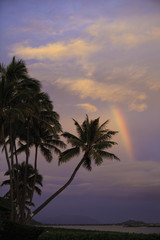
(11,78)
(43,128)
(19,199)
(93,141)
(21,101)
(26,117)
(44,140)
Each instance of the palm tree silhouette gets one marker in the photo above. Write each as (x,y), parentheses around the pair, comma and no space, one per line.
(15,85)
(26,117)
(19,199)
(93,141)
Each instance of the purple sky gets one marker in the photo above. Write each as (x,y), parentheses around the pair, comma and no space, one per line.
(92,56)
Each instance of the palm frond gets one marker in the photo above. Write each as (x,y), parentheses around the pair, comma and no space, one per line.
(92,130)
(46,153)
(111,133)
(30,204)
(79,129)
(22,148)
(107,155)
(97,157)
(38,190)
(6,182)
(68,154)
(101,127)
(87,163)
(106,135)
(56,150)
(54,142)
(104,145)
(72,139)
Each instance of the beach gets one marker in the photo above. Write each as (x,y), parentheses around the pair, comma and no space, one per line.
(112,228)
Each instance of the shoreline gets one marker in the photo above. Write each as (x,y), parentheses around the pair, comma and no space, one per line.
(108,228)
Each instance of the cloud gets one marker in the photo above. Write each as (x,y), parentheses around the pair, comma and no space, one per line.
(87,107)
(122,176)
(100,53)
(113,178)
(153,85)
(53,183)
(132,72)
(96,90)
(52,51)
(128,34)
(138,107)
(36,27)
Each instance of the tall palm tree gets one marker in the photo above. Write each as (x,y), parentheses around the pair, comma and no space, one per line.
(19,199)
(26,116)
(46,140)
(11,78)
(93,141)
(17,90)
(43,128)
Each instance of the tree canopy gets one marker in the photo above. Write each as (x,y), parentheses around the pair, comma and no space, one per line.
(28,121)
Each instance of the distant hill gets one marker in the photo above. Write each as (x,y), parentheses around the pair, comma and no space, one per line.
(84,220)
(133,223)
(72,219)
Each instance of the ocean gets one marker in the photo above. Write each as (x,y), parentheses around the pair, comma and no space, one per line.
(114,228)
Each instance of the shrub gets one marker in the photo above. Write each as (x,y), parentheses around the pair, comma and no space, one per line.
(11,230)
(92,235)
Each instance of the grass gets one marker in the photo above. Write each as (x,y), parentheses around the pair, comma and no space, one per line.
(10,230)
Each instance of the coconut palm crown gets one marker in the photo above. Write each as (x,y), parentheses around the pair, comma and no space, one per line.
(93,140)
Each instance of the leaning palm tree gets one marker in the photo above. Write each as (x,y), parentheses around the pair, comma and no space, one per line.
(93,141)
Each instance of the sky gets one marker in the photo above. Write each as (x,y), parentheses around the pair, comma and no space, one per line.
(99,58)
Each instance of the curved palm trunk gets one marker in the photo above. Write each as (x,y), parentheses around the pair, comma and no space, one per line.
(56,193)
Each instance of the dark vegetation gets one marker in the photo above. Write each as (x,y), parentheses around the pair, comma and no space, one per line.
(11,230)
(28,123)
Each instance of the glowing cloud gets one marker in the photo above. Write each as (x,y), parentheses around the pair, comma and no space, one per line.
(125,33)
(76,48)
(103,91)
(88,107)
(124,132)
(138,107)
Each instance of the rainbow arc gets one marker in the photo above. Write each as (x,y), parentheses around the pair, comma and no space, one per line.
(123,130)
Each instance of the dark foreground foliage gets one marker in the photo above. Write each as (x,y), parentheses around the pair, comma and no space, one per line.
(94,235)
(10,231)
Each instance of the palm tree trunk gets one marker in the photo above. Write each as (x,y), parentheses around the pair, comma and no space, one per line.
(35,178)
(56,193)
(10,174)
(25,177)
(17,182)
(12,164)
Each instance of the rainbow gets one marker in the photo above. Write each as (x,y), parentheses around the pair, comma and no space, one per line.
(123,130)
